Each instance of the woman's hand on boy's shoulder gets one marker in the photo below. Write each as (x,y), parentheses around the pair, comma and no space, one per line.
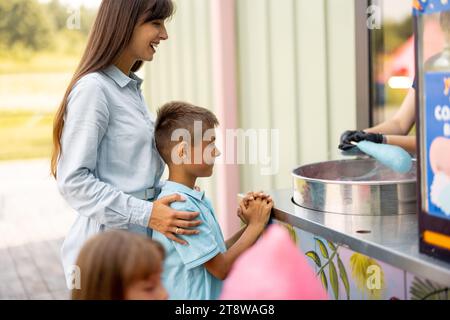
(172,223)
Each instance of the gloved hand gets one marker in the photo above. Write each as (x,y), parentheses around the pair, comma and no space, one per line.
(357,136)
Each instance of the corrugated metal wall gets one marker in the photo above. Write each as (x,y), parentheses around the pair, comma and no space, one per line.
(296,73)
(297,67)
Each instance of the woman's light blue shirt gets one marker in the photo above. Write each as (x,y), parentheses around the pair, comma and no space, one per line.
(108,154)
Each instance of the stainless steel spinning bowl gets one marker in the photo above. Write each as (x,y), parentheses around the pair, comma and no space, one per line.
(355,187)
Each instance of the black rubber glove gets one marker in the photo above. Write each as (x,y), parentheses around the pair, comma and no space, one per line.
(357,136)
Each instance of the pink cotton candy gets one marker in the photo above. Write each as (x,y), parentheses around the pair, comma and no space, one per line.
(440,155)
(273,269)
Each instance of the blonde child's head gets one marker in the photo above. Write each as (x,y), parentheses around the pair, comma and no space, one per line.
(119,265)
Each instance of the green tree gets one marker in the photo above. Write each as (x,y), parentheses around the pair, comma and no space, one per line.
(58,13)
(24,24)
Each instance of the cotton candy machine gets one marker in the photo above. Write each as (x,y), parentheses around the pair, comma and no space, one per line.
(355,187)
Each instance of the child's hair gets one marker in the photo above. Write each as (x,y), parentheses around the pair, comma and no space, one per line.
(112,261)
(179,115)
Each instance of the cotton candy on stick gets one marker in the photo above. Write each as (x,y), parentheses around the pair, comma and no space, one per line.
(273,269)
(391,156)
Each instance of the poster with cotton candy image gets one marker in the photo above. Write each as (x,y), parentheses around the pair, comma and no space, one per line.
(440,165)
(437,126)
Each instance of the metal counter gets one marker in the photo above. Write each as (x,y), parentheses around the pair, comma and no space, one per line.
(391,239)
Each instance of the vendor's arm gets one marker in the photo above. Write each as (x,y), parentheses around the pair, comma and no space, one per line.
(403,120)
(392,131)
(406,142)
(396,129)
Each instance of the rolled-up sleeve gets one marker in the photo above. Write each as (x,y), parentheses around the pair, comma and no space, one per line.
(86,122)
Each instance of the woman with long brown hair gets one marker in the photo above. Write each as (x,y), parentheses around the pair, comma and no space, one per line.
(104,156)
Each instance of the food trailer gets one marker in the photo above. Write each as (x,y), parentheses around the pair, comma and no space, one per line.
(433,140)
(370,233)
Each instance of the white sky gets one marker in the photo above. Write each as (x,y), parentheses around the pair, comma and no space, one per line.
(77,3)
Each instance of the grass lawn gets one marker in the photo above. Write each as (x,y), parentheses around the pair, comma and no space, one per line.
(30,88)
(39,63)
(25,134)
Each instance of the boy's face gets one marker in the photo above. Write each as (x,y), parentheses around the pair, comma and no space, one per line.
(200,162)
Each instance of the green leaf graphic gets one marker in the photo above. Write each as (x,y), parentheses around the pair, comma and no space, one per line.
(323,277)
(314,257)
(427,290)
(323,248)
(344,277)
(334,279)
(332,246)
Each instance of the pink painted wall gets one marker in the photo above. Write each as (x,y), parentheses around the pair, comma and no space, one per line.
(225,100)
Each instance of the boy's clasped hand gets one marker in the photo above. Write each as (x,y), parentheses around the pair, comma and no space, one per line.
(255,208)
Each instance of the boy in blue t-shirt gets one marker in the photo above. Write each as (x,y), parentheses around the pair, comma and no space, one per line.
(185,138)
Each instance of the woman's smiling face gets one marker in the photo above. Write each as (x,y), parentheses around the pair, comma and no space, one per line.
(146,38)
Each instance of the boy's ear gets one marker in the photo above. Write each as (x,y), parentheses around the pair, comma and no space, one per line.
(180,153)
(182,150)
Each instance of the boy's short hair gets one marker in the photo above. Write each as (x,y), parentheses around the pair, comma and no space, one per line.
(179,115)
